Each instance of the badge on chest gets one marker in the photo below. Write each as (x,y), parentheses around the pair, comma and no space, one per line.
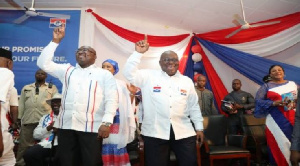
(157,89)
(183,92)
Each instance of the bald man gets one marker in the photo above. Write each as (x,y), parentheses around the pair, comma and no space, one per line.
(32,106)
(170,103)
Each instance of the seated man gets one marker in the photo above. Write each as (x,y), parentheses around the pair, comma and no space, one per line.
(45,132)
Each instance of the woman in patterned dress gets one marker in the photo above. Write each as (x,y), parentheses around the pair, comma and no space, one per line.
(122,130)
(276,100)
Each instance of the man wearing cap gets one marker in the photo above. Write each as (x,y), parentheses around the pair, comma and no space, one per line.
(46,133)
(205,97)
(32,106)
(89,103)
(7,83)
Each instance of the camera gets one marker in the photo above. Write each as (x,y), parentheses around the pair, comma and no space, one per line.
(228,104)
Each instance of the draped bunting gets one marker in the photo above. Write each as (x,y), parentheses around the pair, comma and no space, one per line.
(154,41)
(183,60)
(208,86)
(214,83)
(189,67)
(240,56)
(256,68)
(252,34)
(270,45)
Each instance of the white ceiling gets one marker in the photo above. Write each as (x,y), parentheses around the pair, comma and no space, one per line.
(197,16)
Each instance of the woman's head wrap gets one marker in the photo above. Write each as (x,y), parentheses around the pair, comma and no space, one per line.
(114,64)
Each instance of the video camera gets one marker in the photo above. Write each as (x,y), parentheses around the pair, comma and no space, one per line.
(228,104)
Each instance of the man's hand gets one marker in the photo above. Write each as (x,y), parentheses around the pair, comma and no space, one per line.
(50,126)
(233,111)
(58,34)
(142,46)
(14,126)
(103,131)
(19,122)
(279,103)
(238,106)
(54,130)
(132,89)
(200,137)
(295,157)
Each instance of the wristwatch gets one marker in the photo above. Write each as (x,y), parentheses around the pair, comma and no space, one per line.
(107,124)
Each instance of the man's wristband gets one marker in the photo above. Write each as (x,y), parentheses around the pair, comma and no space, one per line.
(134,94)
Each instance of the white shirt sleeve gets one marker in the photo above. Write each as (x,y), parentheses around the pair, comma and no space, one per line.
(131,71)
(110,98)
(194,109)
(6,82)
(46,63)
(14,97)
(41,132)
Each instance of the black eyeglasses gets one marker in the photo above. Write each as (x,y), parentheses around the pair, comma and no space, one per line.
(85,50)
(167,60)
(37,90)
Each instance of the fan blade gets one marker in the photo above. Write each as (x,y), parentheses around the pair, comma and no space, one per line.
(18,2)
(265,23)
(54,15)
(233,33)
(235,22)
(21,19)
(239,19)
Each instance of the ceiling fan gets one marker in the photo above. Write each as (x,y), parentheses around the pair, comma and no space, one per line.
(31,12)
(244,24)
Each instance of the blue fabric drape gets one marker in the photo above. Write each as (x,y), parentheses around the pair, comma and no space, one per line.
(251,66)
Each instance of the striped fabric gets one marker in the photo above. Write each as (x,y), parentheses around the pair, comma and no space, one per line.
(111,155)
(280,122)
(65,92)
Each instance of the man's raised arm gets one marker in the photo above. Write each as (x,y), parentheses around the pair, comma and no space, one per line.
(131,66)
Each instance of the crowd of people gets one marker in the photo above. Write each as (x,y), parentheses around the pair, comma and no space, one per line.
(93,119)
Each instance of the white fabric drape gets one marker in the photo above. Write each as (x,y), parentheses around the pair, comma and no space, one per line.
(270,45)
(276,47)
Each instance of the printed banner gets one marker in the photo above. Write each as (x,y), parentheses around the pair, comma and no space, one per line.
(27,40)
(57,22)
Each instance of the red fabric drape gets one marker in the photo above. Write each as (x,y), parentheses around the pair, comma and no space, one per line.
(252,34)
(154,41)
(183,60)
